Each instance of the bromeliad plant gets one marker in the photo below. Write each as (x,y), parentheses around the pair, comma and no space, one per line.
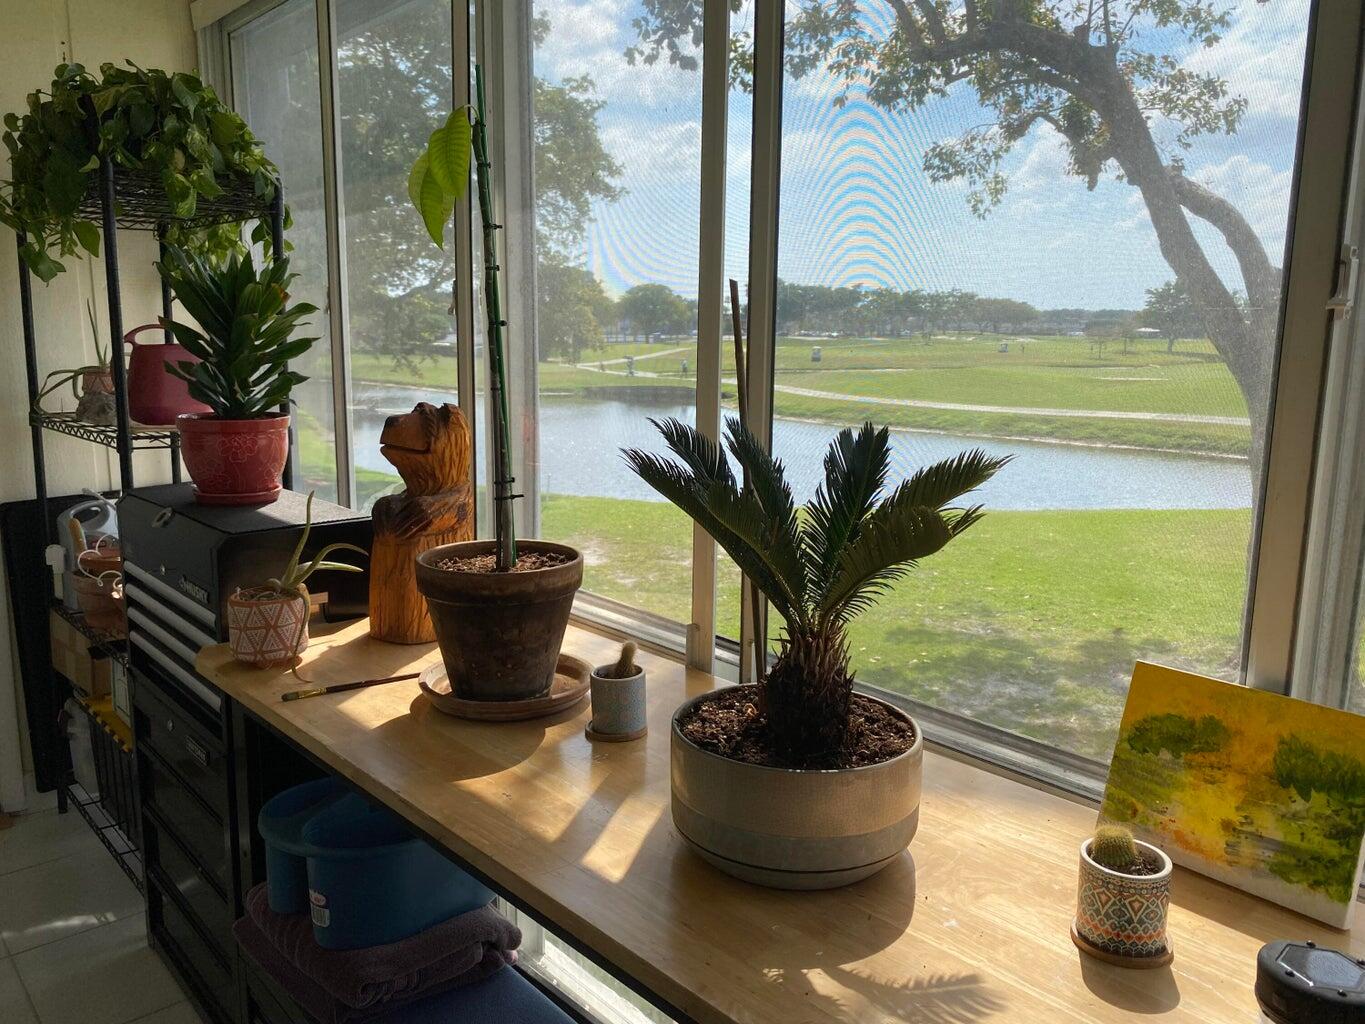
(244,339)
(819,565)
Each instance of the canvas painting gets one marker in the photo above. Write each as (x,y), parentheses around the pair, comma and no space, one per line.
(1257,790)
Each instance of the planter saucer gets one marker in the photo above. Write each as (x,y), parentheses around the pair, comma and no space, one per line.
(573,677)
(1118,960)
(612,737)
(248,498)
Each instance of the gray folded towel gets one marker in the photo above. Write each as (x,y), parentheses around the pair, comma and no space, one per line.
(333,985)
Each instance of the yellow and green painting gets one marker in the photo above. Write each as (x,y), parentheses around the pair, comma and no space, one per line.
(1257,790)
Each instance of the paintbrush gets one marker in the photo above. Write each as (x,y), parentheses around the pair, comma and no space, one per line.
(359,684)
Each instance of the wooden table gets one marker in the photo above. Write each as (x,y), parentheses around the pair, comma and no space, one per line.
(970,925)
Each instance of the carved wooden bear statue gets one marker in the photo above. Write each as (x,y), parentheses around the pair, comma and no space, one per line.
(430,449)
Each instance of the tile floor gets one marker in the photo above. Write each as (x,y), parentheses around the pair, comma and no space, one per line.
(73,945)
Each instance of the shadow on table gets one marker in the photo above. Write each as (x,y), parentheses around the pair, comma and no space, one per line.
(1146,991)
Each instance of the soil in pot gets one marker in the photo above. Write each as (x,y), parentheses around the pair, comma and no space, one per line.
(1148,864)
(731,725)
(527,561)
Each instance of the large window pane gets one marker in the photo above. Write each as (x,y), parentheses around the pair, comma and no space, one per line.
(393,88)
(617,178)
(275,88)
(974,254)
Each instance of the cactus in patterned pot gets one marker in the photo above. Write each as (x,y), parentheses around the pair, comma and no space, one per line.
(1122,900)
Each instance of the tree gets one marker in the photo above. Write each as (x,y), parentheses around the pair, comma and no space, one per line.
(571,308)
(1170,311)
(1087,71)
(654,309)
(998,314)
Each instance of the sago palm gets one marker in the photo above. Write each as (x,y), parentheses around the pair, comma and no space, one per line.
(819,565)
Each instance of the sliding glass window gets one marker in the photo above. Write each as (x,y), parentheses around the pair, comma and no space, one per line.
(275,85)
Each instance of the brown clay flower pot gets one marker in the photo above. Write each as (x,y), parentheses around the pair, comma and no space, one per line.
(267,628)
(97,381)
(499,632)
(234,462)
(101,601)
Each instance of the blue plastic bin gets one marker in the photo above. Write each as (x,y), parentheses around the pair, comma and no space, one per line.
(281,824)
(371,882)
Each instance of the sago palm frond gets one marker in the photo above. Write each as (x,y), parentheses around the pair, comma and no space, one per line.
(855,473)
(736,523)
(766,478)
(890,541)
(939,485)
(706,458)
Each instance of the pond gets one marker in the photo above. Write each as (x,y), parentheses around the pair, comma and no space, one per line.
(580,442)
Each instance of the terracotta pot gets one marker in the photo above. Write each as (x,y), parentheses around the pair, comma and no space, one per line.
(499,632)
(154,396)
(97,381)
(234,462)
(266,628)
(101,601)
(1124,916)
(790,828)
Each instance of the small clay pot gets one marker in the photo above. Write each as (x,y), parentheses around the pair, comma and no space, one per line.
(618,705)
(1121,918)
(267,628)
(97,382)
(101,601)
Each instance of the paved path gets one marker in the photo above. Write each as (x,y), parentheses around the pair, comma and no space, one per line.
(645,355)
(1013,410)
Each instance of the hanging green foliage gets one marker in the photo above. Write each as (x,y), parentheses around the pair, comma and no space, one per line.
(171,127)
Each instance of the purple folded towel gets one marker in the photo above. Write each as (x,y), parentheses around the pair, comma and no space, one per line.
(355,985)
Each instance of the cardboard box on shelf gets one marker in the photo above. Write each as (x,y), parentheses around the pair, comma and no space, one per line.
(72,655)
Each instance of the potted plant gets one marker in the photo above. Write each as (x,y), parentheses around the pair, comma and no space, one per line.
(169,132)
(268,624)
(244,343)
(499,607)
(1125,889)
(798,782)
(96,378)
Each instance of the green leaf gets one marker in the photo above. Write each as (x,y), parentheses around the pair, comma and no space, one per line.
(88,235)
(104,99)
(448,155)
(183,90)
(435,207)
(415,178)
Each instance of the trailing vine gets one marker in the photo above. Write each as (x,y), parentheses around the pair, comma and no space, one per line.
(171,127)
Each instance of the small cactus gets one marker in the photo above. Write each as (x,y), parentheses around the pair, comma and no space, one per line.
(1113,848)
(625,664)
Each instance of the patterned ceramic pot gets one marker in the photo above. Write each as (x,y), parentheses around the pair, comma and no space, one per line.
(267,628)
(234,462)
(1123,915)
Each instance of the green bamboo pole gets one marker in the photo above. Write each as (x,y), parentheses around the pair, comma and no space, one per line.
(505,529)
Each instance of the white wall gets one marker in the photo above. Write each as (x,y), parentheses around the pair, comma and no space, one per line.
(35,36)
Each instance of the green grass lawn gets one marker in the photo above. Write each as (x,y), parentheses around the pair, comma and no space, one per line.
(1036,373)
(1031,621)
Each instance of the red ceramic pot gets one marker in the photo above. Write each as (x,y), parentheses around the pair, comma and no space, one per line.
(97,381)
(234,462)
(155,397)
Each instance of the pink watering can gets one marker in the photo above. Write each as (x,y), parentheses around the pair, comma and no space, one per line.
(155,397)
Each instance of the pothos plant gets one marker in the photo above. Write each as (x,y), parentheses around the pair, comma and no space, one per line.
(170,127)
(439,178)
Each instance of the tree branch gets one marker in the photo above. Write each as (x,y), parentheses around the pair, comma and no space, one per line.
(1260,276)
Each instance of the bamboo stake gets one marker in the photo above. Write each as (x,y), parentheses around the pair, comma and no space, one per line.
(506,555)
(760,653)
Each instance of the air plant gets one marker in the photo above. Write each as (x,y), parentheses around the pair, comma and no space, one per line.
(819,565)
(74,376)
(290,583)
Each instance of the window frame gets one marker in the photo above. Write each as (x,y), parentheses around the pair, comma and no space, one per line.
(1287,557)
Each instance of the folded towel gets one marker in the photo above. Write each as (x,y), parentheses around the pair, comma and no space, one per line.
(358,984)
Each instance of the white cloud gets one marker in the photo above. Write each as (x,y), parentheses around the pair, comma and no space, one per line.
(1261,56)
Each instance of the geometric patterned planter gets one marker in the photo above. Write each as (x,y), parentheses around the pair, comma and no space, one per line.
(1122,918)
(267,629)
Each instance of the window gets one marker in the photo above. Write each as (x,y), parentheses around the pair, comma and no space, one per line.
(973,264)
(275,75)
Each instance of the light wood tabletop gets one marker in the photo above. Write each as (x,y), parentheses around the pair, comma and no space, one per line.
(972,924)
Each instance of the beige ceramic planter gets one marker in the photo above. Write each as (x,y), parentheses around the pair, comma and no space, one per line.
(793,829)
(267,630)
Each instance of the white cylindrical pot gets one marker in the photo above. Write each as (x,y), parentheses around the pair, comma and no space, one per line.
(618,705)
(791,828)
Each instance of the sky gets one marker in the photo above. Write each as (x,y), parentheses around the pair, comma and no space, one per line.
(857,207)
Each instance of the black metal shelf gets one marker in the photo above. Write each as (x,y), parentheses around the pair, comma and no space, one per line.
(129,857)
(116,647)
(140,202)
(140,438)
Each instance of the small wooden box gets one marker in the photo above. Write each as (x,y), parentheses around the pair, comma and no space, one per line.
(87,670)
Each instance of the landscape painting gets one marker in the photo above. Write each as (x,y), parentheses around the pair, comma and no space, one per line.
(1252,788)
